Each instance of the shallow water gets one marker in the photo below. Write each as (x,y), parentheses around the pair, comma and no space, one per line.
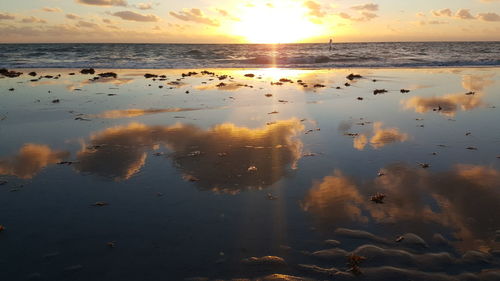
(176,178)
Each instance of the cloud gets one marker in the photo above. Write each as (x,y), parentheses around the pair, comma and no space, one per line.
(345,16)
(417,200)
(5,16)
(443,13)
(449,104)
(33,20)
(226,14)
(103,2)
(30,160)
(144,6)
(366,7)
(314,9)
(365,16)
(133,16)
(380,137)
(134,112)
(73,16)
(464,14)
(219,157)
(86,24)
(488,16)
(432,22)
(194,15)
(52,10)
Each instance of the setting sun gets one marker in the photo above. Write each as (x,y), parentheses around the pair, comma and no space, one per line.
(283,23)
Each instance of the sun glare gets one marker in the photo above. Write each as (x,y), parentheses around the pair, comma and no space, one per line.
(283,23)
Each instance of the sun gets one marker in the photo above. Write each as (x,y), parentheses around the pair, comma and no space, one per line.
(285,22)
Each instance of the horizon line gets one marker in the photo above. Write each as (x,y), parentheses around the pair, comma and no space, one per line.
(250,43)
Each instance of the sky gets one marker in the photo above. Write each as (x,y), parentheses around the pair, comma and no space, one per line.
(232,21)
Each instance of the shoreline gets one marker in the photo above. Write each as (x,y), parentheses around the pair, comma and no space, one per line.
(256,68)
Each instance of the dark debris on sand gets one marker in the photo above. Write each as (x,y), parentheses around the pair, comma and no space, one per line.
(379,91)
(108,75)
(353,76)
(87,71)
(11,74)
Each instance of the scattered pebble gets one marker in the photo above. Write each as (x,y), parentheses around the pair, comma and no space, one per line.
(87,71)
(378,198)
(252,169)
(379,91)
(190,178)
(424,165)
(100,204)
(353,76)
(271,197)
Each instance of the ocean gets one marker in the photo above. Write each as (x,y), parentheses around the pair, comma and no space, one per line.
(184,56)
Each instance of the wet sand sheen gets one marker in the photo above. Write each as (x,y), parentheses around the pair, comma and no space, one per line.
(277,174)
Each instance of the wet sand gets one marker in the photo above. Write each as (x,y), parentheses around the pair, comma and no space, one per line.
(266,174)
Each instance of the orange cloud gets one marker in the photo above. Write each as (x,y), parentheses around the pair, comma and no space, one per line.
(133,112)
(194,15)
(219,157)
(462,200)
(103,2)
(30,160)
(449,104)
(133,16)
(380,138)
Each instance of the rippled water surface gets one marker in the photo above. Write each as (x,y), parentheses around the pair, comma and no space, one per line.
(403,54)
(221,176)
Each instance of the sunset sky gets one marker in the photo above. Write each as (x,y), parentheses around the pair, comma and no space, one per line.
(231,21)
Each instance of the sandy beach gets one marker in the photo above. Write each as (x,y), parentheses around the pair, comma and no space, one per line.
(265,174)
